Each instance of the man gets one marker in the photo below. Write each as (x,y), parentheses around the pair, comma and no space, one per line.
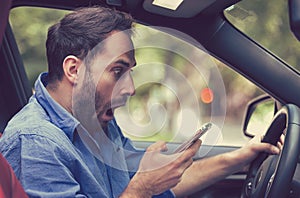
(66,143)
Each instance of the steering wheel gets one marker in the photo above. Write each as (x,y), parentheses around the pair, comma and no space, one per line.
(271,175)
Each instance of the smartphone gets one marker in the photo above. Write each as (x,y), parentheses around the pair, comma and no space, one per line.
(194,138)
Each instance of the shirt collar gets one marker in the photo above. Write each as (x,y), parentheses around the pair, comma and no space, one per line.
(59,116)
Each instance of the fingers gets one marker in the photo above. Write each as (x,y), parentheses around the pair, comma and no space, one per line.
(154,159)
(158,146)
(189,152)
(187,164)
(194,148)
(266,147)
(281,142)
(274,150)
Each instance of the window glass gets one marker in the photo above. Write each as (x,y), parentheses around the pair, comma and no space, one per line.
(267,24)
(30,27)
(163,107)
(178,86)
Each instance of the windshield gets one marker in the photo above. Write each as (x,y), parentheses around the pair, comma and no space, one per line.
(267,24)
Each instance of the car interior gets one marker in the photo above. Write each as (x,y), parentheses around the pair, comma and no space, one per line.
(204,25)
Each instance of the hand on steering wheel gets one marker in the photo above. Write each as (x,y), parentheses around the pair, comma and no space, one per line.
(271,176)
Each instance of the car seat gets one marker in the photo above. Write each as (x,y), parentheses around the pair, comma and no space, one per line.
(10,187)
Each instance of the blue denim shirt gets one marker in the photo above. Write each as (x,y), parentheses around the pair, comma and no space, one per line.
(51,160)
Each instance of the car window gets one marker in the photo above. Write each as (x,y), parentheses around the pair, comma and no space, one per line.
(267,24)
(178,86)
(30,29)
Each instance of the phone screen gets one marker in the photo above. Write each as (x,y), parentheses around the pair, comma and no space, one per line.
(193,139)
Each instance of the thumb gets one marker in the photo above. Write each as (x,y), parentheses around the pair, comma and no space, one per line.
(158,146)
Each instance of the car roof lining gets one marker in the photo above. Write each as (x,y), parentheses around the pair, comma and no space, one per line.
(187,9)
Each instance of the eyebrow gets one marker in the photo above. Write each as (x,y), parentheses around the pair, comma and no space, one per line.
(125,63)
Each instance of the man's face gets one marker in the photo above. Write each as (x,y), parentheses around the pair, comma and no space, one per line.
(111,72)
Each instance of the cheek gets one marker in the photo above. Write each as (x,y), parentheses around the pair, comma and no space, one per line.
(105,87)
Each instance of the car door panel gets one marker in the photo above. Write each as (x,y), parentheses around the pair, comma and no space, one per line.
(14,86)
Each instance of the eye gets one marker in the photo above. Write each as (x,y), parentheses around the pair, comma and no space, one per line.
(118,72)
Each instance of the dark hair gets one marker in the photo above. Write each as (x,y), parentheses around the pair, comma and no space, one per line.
(79,32)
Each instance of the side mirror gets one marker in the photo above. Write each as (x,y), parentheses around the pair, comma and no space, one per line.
(259,115)
(294,15)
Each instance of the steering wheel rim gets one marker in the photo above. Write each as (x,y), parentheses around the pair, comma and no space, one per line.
(270,176)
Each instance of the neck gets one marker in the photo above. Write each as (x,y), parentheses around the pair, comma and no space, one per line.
(61,94)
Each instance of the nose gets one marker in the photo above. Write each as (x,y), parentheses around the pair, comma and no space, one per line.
(127,85)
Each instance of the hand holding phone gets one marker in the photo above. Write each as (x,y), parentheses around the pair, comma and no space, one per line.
(194,138)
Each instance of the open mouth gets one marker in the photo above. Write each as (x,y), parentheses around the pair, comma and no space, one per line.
(109,113)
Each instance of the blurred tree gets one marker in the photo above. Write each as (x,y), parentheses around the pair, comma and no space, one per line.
(268,24)
(30,28)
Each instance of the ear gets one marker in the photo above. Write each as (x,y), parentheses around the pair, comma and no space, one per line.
(71,65)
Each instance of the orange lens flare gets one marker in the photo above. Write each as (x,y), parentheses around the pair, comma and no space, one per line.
(206,95)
